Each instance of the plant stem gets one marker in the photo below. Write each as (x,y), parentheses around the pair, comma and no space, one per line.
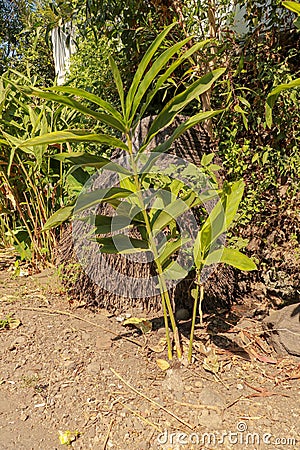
(193,325)
(166,325)
(199,287)
(166,302)
(200,303)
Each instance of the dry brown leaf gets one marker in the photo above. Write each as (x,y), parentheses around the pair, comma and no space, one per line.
(160,346)
(261,392)
(211,362)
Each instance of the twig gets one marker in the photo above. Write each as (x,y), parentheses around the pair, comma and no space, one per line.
(235,401)
(221,381)
(150,400)
(107,434)
(143,419)
(66,313)
(195,406)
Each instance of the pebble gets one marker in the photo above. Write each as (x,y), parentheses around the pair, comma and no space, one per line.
(23,416)
(103,342)
(182,314)
(93,367)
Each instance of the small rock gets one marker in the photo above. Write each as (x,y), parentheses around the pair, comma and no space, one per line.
(284,330)
(144,445)
(70,365)
(103,342)
(94,367)
(210,419)
(23,416)
(173,383)
(209,397)
(182,314)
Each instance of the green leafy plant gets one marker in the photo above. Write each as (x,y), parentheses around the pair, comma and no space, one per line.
(9,323)
(207,250)
(128,199)
(274,94)
(31,186)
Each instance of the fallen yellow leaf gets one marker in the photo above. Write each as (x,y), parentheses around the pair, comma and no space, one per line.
(67,437)
(142,324)
(162,364)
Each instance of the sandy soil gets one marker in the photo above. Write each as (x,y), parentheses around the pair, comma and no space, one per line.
(71,369)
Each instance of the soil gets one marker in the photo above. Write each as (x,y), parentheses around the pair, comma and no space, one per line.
(66,368)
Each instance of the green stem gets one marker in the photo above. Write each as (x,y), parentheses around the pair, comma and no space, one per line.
(200,304)
(193,324)
(199,287)
(166,325)
(166,302)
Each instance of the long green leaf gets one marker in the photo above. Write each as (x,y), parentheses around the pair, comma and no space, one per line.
(118,82)
(75,105)
(170,248)
(159,63)
(178,103)
(88,160)
(92,98)
(100,196)
(143,66)
(293,6)
(232,200)
(122,244)
(106,224)
(57,137)
(221,217)
(181,129)
(58,217)
(232,257)
(171,212)
(198,251)
(272,98)
(174,271)
(164,77)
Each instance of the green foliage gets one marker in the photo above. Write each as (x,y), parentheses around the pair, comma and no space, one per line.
(23,44)
(207,250)
(10,27)
(90,68)
(31,185)
(267,59)
(273,96)
(176,197)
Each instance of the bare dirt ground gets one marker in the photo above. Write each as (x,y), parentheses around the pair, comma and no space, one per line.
(70,369)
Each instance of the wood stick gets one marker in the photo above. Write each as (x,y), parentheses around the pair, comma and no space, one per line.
(143,419)
(141,394)
(107,434)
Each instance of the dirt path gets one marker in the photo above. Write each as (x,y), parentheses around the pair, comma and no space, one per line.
(64,373)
